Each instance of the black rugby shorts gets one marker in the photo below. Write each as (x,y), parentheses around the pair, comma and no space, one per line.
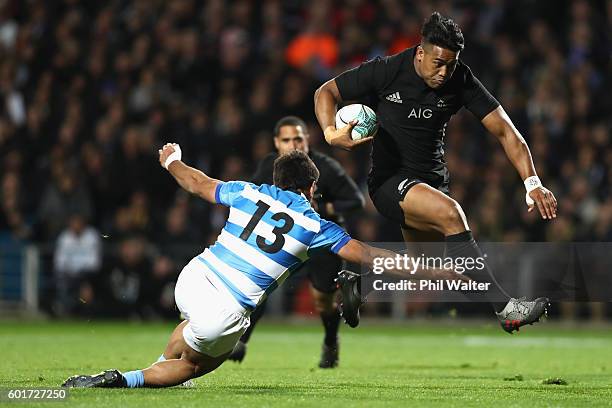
(387,192)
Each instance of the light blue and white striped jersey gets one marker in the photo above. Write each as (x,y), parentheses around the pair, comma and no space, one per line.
(269,234)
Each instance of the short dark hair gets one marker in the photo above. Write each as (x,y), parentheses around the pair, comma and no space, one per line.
(289,121)
(443,32)
(294,171)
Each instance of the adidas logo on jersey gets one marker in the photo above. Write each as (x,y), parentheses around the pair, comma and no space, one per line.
(394,97)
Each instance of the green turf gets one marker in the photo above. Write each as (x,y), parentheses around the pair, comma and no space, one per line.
(401,365)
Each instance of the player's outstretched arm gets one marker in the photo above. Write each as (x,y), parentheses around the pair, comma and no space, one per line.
(192,180)
(499,124)
(326,99)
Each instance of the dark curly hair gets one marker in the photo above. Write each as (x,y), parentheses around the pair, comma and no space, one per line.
(295,171)
(443,32)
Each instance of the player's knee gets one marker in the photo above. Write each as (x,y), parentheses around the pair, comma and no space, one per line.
(193,365)
(197,364)
(452,218)
(199,370)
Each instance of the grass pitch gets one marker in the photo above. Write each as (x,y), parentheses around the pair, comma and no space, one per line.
(402,365)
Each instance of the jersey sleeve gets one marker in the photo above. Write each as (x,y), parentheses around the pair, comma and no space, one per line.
(331,236)
(227,192)
(369,77)
(476,98)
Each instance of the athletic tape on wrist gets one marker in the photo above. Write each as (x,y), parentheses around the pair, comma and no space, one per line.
(174,156)
(531,183)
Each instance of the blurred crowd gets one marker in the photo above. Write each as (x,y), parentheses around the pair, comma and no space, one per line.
(89,90)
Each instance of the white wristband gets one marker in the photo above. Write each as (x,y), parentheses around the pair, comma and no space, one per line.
(531,183)
(174,156)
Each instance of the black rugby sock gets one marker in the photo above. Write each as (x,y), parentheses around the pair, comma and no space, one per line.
(463,245)
(331,323)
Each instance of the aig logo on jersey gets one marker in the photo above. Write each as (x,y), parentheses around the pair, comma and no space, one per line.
(420,113)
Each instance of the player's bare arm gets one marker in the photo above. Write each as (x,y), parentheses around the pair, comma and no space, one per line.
(192,180)
(499,124)
(326,99)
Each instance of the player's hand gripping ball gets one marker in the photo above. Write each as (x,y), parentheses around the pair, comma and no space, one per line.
(367,124)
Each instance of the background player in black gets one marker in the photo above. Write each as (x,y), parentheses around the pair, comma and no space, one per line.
(336,193)
(415,93)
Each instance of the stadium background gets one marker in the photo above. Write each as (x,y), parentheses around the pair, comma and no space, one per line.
(90,90)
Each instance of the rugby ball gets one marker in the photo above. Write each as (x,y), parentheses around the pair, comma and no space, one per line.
(367,123)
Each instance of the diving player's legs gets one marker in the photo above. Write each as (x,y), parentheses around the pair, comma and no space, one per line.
(214,323)
(201,343)
(179,363)
(173,348)
(190,364)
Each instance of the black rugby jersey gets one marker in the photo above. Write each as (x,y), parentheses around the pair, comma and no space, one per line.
(412,116)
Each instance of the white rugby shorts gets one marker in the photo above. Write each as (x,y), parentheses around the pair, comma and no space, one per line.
(216,321)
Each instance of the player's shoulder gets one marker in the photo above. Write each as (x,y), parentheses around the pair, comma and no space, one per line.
(395,62)
(403,56)
(460,79)
(235,185)
(462,72)
(294,201)
(388,65)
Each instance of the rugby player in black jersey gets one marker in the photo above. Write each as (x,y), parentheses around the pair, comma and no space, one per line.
(416,92)
(336,194)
